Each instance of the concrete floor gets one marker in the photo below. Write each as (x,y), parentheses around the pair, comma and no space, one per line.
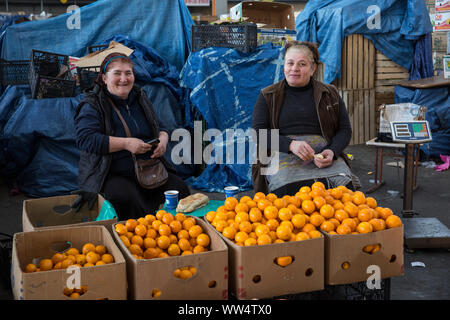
(431,199)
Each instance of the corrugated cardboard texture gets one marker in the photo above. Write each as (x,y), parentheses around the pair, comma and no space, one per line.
(47,213)
(254,273)
(349,248)
(145,275)
(103,282)
(271,14)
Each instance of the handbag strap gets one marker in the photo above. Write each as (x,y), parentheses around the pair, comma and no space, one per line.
(127,130)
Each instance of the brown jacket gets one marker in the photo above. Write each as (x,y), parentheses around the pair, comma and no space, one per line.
(326,98)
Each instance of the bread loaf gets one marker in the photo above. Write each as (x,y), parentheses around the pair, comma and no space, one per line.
(192,202)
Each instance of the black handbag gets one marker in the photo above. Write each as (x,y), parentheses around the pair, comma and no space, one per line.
(150,173)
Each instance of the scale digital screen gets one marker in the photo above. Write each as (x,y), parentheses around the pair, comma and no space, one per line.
(411,131)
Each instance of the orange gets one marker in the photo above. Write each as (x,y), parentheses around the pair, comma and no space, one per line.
(385,213)
(137,240)
(284,261)
(376,248)
(151,233)
(316,193)
(262,204)
(308,227)
(163,242)
(259,196)
(305,189)
(198,249)
(327,211)
(180,217)
(338,205)
(100,263)
(125,241)
(245,226)
(229,232)
(303,196)
(319,201)
(87,264)
(184,234)
(298,220)
(185,274)
(364,227)
(316,220)
(75,295)
(364,215)
(87,248)
(341,215)
(250,242)
(221,224)
(253,235)
(302,236)
(283,233)
(308,206)
(244,199)
(317,185)
(163,255)
(288,224)
(231,214)
(184,244)
(130,235)
(273,235)
(351,209)
(150,218)
(335,222)
(93,257)
(140,230)
(167,218)
(327,226)
(72,252)
(241,236)
(80,259)
(241,207)
(142,221)
(203,240)
(173,250)
(272,224)
(156,224)
(271,212)
(378,224)
(66,263)
(160,214)
(131,224)
(100,249)
(296,201)
(343,229)
(261,230)
(251,204)
(280,203)
(371,202)
(30,268)
(293,208)
(230,203)
(346,197)
(333,233)
(264,239)
(350,223)
(173,238)
(210,216)
(195,231)
(336,193)
(175,226)
(314,234)
(121,229)
(57,257)
(241,217)
(393,221)
(368,248)
(285,214)
(359,198)
(363,206)
(271,197)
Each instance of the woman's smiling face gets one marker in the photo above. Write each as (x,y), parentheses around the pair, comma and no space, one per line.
(298,67)
(119,78)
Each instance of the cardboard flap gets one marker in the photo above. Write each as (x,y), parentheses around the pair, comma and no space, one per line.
(96,58)
(265,14)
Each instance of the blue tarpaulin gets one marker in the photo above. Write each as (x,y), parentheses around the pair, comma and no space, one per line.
(393,26)
(162,25)
(437,102)
(224,85)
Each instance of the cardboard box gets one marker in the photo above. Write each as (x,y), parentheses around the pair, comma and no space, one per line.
(349,248)
(265,14)
(209,283)
(276,36)
(47,213)
(103,282)
(255,275)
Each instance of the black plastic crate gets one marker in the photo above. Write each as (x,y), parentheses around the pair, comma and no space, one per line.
(242,37)
(99,47)
(14,72)
(87,76)
(50,75)
(6,241)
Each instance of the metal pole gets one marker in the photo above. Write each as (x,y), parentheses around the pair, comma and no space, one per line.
(42,5)
(6,1)
(408,181)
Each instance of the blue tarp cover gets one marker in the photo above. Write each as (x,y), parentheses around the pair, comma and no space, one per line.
(224,85)
(393,26)
(162,25)
(437,102)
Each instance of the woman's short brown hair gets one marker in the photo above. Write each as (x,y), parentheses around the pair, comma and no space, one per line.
(311,47)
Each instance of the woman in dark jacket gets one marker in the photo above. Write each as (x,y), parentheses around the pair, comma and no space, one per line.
(106,164)
(314,127)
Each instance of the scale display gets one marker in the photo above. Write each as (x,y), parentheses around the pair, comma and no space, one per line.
(411,131)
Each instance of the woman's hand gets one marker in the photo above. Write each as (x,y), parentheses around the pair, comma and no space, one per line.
(137,146)
(302,149)
(162,145)
(324,159)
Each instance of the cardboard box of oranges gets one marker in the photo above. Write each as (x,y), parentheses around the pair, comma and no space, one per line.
(56,277)
(273,250)
(47,213)
(173,257)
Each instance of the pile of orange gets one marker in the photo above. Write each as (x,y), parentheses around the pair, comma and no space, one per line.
(75,293)
(267,219)
(89,256)
(185,272)
(162,235)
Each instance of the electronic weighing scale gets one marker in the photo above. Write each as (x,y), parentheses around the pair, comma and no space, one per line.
(419,232)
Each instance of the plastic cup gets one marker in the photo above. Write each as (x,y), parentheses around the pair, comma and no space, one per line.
(231,191)
(171,199)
